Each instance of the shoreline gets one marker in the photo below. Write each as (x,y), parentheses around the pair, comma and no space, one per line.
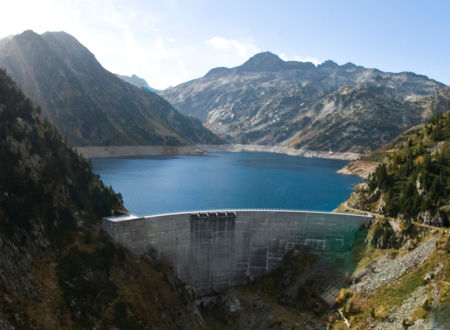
(361,168)
(203,149)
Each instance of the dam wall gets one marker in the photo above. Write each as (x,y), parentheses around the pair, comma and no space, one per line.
(212,250)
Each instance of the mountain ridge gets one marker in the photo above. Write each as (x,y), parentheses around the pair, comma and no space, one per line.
(270,101)
(90,105)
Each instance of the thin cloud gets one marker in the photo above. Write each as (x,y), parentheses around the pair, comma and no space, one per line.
(241,49)
(313,60)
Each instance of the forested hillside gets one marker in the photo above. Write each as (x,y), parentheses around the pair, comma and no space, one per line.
(58,269)
(413,180)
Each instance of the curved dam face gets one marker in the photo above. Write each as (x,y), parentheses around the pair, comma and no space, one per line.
(212,250)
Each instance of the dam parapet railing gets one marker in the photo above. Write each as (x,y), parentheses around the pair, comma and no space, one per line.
(215,249)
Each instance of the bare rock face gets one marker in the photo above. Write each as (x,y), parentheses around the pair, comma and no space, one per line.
(327,107)
(440,219)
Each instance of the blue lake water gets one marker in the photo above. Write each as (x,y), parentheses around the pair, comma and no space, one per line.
(226,180)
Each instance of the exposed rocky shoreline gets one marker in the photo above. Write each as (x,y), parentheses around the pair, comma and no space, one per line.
(361,168)
(201,149)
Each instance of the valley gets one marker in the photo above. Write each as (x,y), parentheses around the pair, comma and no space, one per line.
(160,170)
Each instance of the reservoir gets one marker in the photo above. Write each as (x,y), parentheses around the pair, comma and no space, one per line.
(226,180)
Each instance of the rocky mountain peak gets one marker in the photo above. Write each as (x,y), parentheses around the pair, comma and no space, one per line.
(265,61)
(27,39)
(217,71)
(349,65)
(328,64)
(28,34)
(136,81)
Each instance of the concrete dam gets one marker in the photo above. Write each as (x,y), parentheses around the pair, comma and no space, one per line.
(213,250)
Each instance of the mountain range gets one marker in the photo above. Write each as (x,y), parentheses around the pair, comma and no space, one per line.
(266,100)
(326,107)
(88,104)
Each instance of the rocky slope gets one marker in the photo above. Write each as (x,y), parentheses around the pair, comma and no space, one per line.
(368,162)
(329,107)
(402,286)
(361,168)
(58,269)
(89,105)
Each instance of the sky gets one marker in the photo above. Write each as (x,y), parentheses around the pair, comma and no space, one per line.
(168,42)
